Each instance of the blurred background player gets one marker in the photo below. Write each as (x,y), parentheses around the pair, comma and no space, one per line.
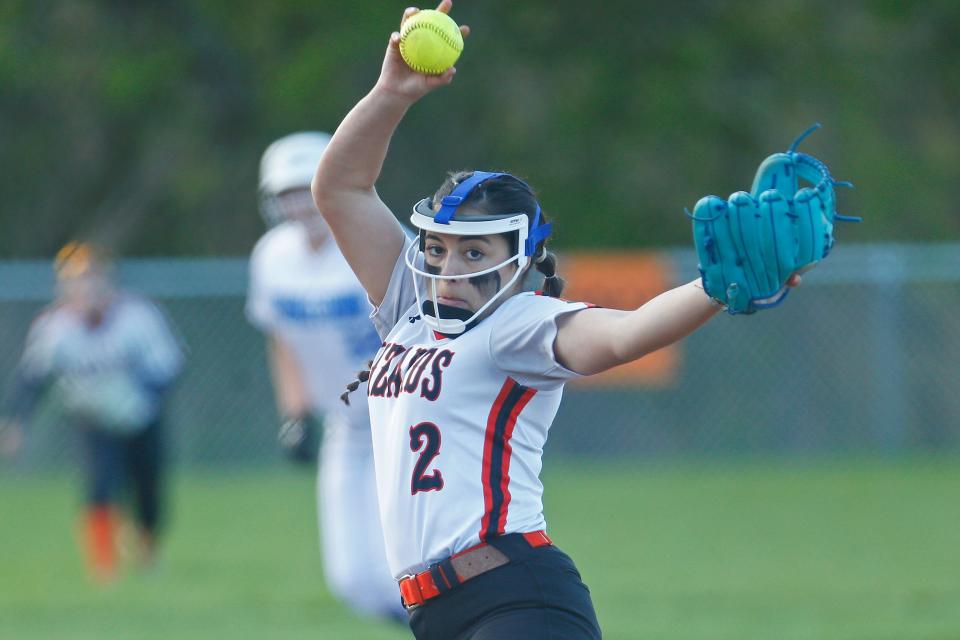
(111,358)
(315,315)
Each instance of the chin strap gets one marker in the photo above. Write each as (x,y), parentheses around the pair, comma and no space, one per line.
(449,313)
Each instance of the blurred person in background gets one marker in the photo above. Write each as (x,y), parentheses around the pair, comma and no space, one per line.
(315,316)
(110,357)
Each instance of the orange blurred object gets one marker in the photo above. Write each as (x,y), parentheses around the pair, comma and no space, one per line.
(623,280)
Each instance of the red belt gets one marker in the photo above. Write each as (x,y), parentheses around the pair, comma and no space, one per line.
(447,574)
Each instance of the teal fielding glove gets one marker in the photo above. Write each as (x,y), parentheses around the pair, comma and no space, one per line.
(750,244)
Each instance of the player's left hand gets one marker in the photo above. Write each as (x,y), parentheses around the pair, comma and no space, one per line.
(300,437)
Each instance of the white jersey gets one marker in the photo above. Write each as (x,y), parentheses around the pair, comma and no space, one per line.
(459,424)
(109,375)
(313,301)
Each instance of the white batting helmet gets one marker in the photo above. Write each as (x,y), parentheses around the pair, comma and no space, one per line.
(288,164)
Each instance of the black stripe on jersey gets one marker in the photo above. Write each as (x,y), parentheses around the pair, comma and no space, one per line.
(494,480)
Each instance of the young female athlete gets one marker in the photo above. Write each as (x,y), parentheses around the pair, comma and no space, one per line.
(304,297)
(470,375)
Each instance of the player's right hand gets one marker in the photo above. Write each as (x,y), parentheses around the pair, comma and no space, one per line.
(300,437)
(11,438)
(399,79)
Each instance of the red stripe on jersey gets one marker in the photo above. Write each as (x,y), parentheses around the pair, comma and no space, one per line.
(507,452)
(488,455)
(496,455)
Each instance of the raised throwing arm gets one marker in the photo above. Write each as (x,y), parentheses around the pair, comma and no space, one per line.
(368,234)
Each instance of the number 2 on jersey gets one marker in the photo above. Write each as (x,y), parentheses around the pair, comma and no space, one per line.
(425,436)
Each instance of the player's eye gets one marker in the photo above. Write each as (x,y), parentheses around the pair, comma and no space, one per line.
(434,251)
(473,254)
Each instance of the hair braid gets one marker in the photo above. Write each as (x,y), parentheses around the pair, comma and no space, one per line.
(362,376)
(547,265)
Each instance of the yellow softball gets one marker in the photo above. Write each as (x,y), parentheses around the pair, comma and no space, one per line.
(430,42)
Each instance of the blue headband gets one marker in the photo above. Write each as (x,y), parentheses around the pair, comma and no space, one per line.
(449,205)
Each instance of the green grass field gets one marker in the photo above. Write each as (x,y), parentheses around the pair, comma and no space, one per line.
(832,550)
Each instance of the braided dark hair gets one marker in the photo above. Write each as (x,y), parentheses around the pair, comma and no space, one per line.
(503,194)
(546,263)
(362,376)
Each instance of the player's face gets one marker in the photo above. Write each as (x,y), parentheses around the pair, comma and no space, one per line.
(298,205)
(452,255)
(88,293)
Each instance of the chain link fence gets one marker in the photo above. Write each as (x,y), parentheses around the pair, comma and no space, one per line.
(862,358)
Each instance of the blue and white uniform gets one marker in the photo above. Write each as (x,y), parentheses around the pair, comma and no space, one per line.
(313,302)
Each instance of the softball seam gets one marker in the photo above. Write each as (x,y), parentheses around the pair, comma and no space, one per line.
(443,36)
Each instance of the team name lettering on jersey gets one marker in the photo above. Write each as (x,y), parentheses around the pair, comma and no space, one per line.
(399,369)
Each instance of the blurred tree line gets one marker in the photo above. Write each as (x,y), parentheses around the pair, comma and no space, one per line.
(140,124)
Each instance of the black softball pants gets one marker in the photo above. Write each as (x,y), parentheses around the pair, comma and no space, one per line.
(118,463)
(538,595)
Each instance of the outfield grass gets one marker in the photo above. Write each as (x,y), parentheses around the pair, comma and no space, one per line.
(844,550)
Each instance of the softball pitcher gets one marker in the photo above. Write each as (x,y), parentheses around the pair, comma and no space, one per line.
(470,375)
(315,315)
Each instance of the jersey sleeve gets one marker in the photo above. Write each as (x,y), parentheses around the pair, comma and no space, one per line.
(39,352)
(521,340)
(258,309)
(160,350)
(35,368)
(398,299)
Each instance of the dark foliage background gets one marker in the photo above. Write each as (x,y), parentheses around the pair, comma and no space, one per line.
(140,124)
